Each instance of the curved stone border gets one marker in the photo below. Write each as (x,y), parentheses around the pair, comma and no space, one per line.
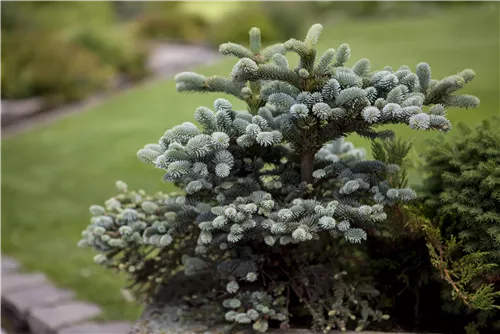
(42,308)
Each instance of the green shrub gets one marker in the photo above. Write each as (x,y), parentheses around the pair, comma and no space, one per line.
(458,221)
(463,200)
(40,65)
(115,48)
(463,188)
(174,27)
(447,244)
(236,30)
(283,16)
(134,65)
(52,15)
(276,20)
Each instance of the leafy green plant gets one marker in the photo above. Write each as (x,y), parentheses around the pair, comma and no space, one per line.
(57,71)
(174,26)
(115,48)
(50,16)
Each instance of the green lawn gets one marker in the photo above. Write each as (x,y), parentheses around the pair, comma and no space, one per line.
(51,175)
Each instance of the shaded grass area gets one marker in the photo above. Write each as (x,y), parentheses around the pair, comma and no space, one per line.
(51,175)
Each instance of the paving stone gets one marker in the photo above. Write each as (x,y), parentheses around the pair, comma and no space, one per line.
(43,295)
(98,328)
(16,282)
(9,265)
(47,320)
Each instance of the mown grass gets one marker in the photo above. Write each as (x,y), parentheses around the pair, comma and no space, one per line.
(51,175)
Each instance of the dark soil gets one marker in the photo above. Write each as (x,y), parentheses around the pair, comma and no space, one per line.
(11,325)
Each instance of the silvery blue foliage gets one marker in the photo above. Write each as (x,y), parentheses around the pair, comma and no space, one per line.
(277,175)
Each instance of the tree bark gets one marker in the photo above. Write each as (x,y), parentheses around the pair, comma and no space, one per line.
(307,166)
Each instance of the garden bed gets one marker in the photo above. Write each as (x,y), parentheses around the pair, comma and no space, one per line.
(160,317)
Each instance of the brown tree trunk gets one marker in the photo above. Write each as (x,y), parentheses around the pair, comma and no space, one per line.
(307,166)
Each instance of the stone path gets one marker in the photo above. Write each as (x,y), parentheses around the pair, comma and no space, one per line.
(165,61)
(39,307)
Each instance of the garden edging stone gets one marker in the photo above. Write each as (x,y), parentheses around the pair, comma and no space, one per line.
(48,320)
(37,306)
(43,295)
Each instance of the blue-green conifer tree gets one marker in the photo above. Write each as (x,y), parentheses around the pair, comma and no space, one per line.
(268,194)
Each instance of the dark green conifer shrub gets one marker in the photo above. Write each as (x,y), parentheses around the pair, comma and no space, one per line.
(462,200)
(437,266)
(463,188)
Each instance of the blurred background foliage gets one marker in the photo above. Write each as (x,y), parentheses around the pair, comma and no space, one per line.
(65,51)
(68,50)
